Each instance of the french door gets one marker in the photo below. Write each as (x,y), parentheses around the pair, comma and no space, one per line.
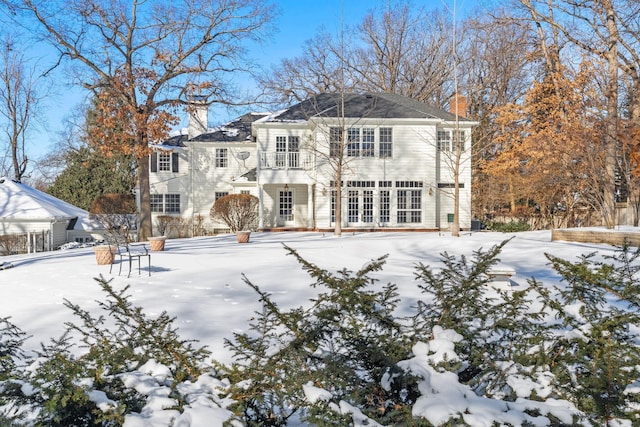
(360,207)
(285,207)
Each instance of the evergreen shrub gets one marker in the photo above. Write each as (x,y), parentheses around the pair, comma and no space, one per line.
(508,227)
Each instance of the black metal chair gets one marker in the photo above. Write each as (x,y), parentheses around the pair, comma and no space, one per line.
(129,252)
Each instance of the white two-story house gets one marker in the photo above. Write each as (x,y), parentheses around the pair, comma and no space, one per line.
(397,160)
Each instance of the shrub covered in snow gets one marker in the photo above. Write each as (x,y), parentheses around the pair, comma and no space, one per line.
(469,355)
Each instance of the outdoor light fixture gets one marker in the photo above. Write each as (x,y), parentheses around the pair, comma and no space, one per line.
(286,187)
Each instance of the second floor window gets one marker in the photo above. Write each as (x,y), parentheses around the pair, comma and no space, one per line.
(335,142)
(163,161)
(446,140)
(386,143)
(368,142)
(360,142)
(221,158)
(353,142)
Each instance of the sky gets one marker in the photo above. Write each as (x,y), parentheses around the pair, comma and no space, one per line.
(296,22)
(200,282)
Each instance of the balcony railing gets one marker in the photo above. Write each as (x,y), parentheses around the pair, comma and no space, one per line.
(277,160)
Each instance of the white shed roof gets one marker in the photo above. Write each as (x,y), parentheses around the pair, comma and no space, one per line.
(18,202)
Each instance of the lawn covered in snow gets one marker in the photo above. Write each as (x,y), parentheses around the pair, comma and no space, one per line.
(200,282)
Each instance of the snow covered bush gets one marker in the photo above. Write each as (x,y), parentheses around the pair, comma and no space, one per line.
(345,342)
(11,359)
(114,369)
(594,350)
(469,355)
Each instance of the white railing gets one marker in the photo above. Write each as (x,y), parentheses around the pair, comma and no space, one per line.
(278,160)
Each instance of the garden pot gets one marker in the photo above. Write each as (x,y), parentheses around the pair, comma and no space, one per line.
(105,254)
(157,243)
(243,236)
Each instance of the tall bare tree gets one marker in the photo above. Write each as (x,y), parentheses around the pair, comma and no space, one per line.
(19,100)
(152,55)
(397,49)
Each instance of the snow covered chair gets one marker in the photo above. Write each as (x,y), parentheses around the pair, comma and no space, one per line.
(131,251)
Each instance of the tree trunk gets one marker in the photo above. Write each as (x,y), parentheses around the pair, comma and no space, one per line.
(338,214)
(146,226)
(608,208)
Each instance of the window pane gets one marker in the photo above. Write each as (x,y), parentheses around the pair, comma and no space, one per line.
(385,206)
(368,135)
(410,203)
(172,203)
(444,140)
(352,207)
(157,203)
(164,161)
(335,140)
(367,206)
(353,138)
(221,157)
(386,142)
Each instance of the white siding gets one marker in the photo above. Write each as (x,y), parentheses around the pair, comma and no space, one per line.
(416,163)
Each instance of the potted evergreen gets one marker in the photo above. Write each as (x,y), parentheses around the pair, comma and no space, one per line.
(239,212)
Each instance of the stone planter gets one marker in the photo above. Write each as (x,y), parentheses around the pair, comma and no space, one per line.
(105,254)
(157,243)
(243,236)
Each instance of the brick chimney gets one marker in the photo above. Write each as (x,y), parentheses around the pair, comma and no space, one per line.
(198,117)
(458,103)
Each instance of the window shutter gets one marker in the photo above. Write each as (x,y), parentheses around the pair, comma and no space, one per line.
(174,162)
(154,162)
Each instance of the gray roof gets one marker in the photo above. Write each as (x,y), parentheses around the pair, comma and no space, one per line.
(367,105)
(238,130)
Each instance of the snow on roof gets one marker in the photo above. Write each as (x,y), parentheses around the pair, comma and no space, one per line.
(18,201)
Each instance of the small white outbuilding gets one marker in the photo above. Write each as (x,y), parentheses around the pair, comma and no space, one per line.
(23,209)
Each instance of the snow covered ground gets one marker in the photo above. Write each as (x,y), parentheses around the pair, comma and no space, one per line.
(199,280)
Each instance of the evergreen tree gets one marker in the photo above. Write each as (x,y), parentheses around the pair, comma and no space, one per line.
(79,379)
(498,328)
(12,359)
(346,342)
(90,174)
(599,358)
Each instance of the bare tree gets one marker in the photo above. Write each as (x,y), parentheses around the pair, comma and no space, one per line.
(398,49)
(19,100)
(317,70)
(153,56)
(405,51)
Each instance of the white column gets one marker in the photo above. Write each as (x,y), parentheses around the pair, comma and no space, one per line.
(310,207)
(260,207)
